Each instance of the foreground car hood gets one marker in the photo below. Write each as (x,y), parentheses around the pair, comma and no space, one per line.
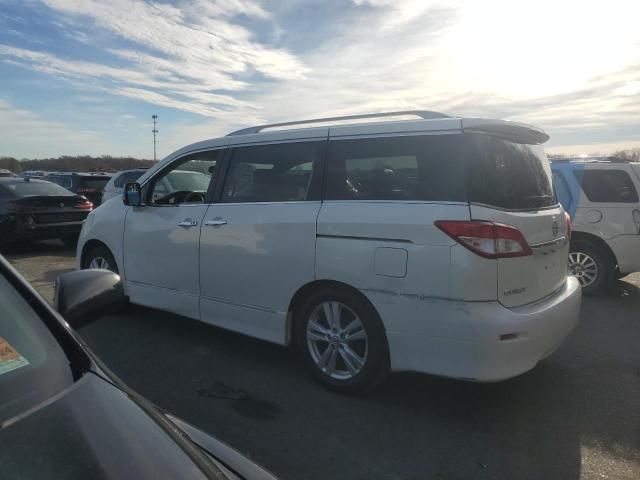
(94,430)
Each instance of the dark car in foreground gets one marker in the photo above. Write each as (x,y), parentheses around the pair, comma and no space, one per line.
(90,185)
(64,415)
(33,209)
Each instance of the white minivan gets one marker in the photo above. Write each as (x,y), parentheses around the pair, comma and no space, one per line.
(435,245)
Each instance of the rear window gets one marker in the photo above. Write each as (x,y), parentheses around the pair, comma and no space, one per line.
(127,177)
(425,167)
(508,175)
(607,186)
(62,181)
(92,184)
(35,188)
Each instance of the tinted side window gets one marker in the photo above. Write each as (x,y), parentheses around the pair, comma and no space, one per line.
(186,180)
(425,167)
(607,186)
(508,175)
(270,173)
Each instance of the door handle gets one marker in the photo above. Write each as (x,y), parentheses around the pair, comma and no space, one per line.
(188,223)
(215,222)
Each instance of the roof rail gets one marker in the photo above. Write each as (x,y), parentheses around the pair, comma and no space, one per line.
(424,114)
(594,159)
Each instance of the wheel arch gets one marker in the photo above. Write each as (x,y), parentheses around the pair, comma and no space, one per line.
(308,289)
(583,237)
(89,245)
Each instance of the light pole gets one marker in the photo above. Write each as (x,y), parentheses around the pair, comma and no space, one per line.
(155,131)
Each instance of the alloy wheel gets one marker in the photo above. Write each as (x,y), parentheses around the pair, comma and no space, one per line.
(99,262)
(584,267)
(337,340)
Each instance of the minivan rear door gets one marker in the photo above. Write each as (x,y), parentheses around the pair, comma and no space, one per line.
(510,182)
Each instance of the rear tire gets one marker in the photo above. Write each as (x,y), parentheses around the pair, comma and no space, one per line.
(342,340)
(592,266)
(99,257)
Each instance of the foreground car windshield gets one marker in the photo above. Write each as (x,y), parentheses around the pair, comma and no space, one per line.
(32,189)
(33,366)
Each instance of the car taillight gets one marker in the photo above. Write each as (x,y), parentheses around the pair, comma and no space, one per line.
(86,205)
(487,239)
(569,226)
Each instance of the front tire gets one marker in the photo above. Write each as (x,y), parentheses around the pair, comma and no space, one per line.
(342,340)
(99,257)
(592,266)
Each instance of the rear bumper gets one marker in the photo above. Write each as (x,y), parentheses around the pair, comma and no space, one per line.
(467,339)
(626,248)
(45,231)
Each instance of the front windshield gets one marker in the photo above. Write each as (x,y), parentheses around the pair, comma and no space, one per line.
(33,366)
(33,189)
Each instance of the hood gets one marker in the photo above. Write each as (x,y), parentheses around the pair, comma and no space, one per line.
(95,430)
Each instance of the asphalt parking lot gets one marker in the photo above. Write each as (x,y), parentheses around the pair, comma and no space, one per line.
(576,415)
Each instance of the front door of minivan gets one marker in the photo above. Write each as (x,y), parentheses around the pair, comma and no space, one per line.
(511,183)
(161,238)
(257,245)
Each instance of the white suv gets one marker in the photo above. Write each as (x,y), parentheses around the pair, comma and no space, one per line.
(601,194)
(434,245)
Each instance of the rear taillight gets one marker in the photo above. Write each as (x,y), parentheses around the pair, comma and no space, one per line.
(569,226)
(487,239)
(86,205)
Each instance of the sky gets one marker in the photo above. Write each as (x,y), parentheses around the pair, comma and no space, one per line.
(85,76)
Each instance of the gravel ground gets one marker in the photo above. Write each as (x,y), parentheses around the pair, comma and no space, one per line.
(574,416)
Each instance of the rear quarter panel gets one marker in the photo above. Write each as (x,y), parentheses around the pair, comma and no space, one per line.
(390,251)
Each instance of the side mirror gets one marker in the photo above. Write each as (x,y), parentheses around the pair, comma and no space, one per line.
(132,194)
(81,296)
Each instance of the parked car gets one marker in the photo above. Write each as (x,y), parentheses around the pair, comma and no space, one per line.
(88,184)
(33,174)
(435,245)
(116,183)
(39,210)
(601,194)
(65,415)
(6,173)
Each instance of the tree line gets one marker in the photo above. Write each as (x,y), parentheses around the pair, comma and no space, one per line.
(80,163)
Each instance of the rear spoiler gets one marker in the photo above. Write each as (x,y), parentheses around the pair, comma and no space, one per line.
(517,132)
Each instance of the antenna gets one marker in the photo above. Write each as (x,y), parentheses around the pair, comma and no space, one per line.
(155,131)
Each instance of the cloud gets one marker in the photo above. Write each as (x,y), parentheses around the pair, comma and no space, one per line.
(187,57)
(229,61)
(27,134)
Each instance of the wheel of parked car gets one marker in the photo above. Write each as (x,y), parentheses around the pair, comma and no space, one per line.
(100,257)
(343,340)
(591,265)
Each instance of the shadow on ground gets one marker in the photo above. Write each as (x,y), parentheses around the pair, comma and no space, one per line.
(257,397)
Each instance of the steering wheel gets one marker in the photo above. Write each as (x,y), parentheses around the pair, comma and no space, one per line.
(194,197)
